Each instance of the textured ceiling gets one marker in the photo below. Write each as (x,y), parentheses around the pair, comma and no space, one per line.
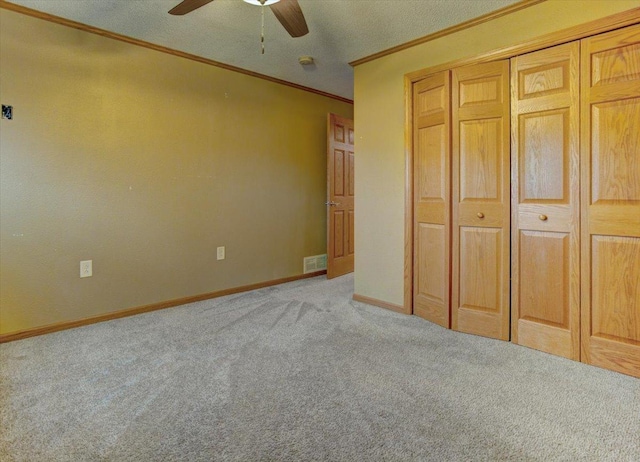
(228,31)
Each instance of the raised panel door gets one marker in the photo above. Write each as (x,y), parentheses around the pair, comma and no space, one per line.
(432,199)
(545,246)
(480,172)
(610,175)
(340,192)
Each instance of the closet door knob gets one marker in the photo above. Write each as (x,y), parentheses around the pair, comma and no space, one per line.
(480,215)
(543,217)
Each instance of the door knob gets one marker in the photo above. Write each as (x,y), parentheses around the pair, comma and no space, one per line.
(331,203)
(480,215)
(543,217)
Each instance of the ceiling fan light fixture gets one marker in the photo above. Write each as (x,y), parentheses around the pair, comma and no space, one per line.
(259,3)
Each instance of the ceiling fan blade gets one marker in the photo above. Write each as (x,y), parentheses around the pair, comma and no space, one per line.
(290,16)
(187,6)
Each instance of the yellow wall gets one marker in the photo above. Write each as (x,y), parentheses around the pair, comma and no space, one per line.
(379,127)
(144,163)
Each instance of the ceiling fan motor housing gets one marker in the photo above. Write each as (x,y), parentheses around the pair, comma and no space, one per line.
(262,2)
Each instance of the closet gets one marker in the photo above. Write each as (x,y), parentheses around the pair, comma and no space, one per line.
(526,199)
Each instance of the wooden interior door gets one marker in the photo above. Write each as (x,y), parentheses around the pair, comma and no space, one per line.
(432,198)
(340,191)
(480,288)
(545,194)
(610,106)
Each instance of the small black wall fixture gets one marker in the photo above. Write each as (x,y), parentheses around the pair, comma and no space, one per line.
(7,112)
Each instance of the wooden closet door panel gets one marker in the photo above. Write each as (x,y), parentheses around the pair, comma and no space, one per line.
(545,174)
(480,288)
(610,117)
(432,199)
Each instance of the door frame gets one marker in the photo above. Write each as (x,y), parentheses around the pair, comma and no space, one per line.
(606,24)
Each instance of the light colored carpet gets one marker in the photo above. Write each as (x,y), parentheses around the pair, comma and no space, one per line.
(301,372)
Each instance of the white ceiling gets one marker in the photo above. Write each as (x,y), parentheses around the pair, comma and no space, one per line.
(228,31)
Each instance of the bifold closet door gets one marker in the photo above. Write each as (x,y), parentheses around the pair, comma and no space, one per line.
(480,228)
(545,195)
(432,198)
(610,145)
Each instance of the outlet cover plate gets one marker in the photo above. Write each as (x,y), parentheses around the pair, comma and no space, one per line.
(86,268)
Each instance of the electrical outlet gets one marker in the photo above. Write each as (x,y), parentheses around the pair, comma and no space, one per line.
(86,268)
(221,253)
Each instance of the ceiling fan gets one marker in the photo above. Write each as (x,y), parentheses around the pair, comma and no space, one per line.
(288,13)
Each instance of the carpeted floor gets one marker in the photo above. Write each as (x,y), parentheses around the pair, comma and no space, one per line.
(301,372)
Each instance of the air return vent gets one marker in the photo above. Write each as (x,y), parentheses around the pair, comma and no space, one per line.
(315,263)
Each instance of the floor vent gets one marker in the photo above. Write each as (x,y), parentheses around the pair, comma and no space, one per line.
(315,263)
